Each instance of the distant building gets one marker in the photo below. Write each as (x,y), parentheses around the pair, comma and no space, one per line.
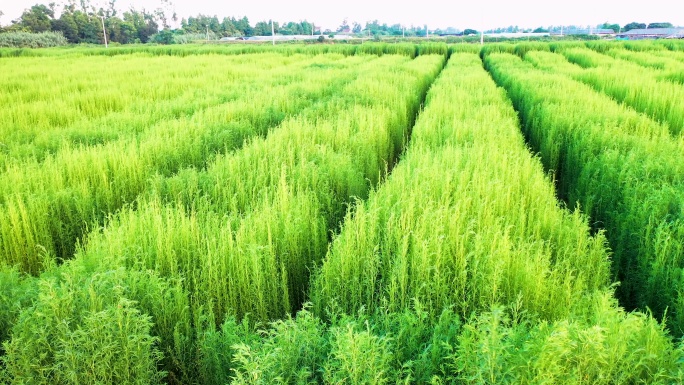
(516,35)
(293,38)
(590,31)
(653,33)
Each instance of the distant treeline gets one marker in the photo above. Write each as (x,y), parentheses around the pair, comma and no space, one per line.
(83,22)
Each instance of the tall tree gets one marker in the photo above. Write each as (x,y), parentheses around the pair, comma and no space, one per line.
(615,27)
(244,27)
(144,23)
(344,27)
(165,13)
(633,25)
(356,27)
(228,28)
(89,27)
(263,28)
(38,18)
(67,25)
(660,25)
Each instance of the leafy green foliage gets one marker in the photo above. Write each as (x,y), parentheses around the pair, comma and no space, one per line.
(425,236)
(617,165)
(603,346)
(179,215)
(31,40)
(48,201)
(80,323)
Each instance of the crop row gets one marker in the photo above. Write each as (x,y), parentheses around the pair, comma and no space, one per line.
(255,259)
(620,167)
(47,206)
(408,49)
(87,101)
(638,87)
(460,266)
(468,222)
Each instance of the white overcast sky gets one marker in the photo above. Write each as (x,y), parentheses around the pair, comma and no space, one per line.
(436,14)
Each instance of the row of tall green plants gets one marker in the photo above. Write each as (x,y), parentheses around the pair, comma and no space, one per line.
(618,166)
(376,48)
(646,90)
(469,224)
(241,249)
(47,205)
(31,40)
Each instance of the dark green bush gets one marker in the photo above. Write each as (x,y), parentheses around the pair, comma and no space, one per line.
(32,40)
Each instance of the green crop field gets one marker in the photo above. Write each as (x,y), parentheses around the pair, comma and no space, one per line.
(343,214)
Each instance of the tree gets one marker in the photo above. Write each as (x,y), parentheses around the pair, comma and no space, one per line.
(120,31)
(373,27)
(162,13)
(660,25)
(469,31)
(633,25)
(396,30)
(164,36)
(227,28)
(67,25)
(110,11)
(356,27)
(143,22)
(307,28)
(38,18)
(344,27)
(88,26)
(614,27)
(263,28)
(292,28)
(540,30)
(243,26)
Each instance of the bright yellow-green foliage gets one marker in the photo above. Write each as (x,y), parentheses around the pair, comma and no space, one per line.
(442,230)
(620,167)
(467,220)
(260,218)
(643,89)
(47,204)
(332,213)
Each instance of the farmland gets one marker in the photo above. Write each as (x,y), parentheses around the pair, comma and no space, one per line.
(343,214)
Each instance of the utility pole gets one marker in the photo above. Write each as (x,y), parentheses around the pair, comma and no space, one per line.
(207,33)
(482,37)
(272,31)
(104,32)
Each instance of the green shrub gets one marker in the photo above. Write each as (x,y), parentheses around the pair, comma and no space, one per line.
(291,351)
(32,40)
(603,346)
(17,291)
(357,356)
(83,331)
